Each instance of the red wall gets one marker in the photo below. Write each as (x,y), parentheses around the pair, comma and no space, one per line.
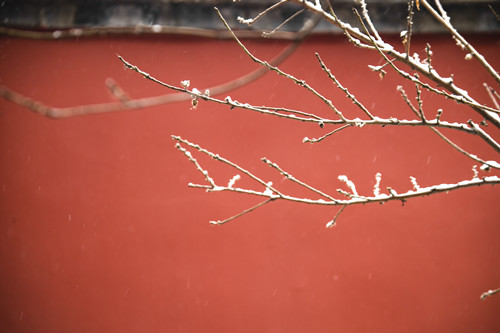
(100,233)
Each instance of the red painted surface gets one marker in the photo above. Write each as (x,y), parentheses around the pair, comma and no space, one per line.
(99,232)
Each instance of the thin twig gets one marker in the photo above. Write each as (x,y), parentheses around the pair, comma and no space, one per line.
(494,96)
(366,16)
(292,111)
(221,188)
(305,117)
(339,85)
(347,29)
(267,34)
(198,166)
(406,99)
(419,113)
(261,14)
(353,198)
(334,220)
(242,213)
(409,28)
(491,164)
(445,22)
(414,79)
(494,13)
(226,161)
(485,136)
(366,40)
(227,101)
(301,83)
(428,54)
(313,140)
(295,180)
(460,98)
(420,103)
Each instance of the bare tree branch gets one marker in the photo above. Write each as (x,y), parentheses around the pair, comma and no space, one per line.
(306,139)
(444,19)
(339,85)
(267,34)
(419,112)
(494,13)
(261,14)
(406,35)
(246,211)
(334,220)
(353,197)
(366,16)
(494,96)
(303,116)
(295,180)
(365,40)
(301,83)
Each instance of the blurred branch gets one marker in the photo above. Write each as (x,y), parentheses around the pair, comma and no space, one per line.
(494,13)
(139,30)
(140,103)
(489,293)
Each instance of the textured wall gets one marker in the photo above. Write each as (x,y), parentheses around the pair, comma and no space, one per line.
(99,232)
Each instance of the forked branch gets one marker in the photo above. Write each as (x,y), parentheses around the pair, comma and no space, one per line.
(272,193)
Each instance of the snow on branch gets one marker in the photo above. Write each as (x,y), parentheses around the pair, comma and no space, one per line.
(489,293)
(371,39)
(299,115)
(366,40)
(272,193)
(443,18)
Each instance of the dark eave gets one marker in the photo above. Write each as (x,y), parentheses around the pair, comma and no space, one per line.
(199,17)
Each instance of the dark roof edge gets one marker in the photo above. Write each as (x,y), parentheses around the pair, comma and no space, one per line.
(81,18)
